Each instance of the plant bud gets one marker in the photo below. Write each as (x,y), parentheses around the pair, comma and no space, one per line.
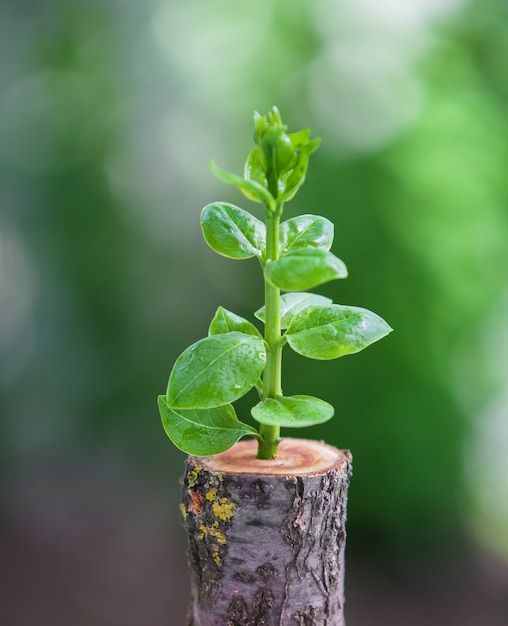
(277,148)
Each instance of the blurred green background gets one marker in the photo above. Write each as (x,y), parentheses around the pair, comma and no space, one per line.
(109,113)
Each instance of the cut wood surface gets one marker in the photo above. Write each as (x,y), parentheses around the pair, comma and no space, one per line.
(267,538)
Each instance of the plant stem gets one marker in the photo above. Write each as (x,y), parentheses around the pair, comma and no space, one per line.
(267,448)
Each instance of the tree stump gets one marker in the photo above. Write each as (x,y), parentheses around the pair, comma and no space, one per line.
(266,539)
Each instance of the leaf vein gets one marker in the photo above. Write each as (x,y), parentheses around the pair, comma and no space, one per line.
(210,364)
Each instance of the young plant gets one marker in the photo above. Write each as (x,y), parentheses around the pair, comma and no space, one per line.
(197,412)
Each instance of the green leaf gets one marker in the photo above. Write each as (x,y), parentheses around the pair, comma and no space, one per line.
(226,322)
(328,332)
(300,138)
(292,411)
(304,269)
(255,168)
(294,178)
(250,188)
(305,231)
(216,370)
(232,232)
(291,304)
(202,432)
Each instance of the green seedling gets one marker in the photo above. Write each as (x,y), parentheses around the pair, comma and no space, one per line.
(294,255)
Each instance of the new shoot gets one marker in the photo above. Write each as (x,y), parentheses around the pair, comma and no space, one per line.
(294,255)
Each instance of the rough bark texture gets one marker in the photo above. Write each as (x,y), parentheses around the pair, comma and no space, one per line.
(267,538)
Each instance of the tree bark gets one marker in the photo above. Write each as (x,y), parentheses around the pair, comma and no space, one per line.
(266,539)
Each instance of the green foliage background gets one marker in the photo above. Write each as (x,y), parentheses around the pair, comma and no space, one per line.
(109,113)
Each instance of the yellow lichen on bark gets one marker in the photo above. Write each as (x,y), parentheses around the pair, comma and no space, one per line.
(212,531)
(223,509)
(216,534)
(183,511)
(193,476)
(211,494)
(216,555)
